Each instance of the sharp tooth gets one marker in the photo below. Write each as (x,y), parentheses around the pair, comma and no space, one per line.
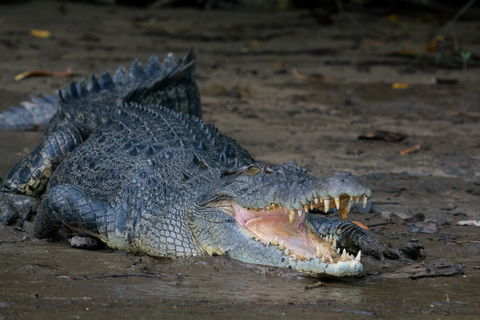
(364,201)
(273,206)
(275,241)
(344,256)
(356,199)
(359,256)
(291,216)
(337,203)
(351,198)
(286,211)
(287,252)
(326,205)
(305,208)
(323,259)
(330,259)
(308,256)
(268,210)
(318,253)
(294,257)
(346,210)
(334,244)
(311,205)
(281,246)
(299,213)
(330,238)
(338,250)
(315,200)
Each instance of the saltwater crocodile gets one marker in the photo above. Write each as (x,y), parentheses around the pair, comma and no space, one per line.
(127,160)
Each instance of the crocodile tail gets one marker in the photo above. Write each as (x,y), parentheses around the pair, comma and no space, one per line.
(34,114)
(176,90)
(168,84)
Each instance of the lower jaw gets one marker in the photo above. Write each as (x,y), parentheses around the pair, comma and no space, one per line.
(262,254)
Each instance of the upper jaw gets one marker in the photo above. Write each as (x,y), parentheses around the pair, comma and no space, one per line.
(337,191)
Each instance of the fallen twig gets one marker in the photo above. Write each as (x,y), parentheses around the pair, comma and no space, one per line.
(116,276)
(316,285)
(412,149)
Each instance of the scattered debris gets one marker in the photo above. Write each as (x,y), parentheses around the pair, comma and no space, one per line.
(44,34)
(444,81)
(114,276)
(400,85)
(436,268)
(316,285)
(474,191)
(412,149)
(396,219)
(428,228)
(444,60)
(413,249)
(416,218)
(361,225)
(43,73)
(87,243)
(449,207)
(278,64)
(314,77)
(468,241)
(475,223)
(383,135)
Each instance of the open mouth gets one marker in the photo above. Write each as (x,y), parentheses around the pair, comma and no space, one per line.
(291,231)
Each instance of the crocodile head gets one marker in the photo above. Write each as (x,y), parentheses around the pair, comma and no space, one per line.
(262,216)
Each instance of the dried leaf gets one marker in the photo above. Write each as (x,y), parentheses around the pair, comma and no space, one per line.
(361,225)
(40,33)
(44,73)
(400,85)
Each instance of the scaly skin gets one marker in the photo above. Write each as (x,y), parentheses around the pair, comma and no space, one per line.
(144,178)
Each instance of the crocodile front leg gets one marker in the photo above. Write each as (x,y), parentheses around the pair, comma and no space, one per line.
(27,181)
(348,235)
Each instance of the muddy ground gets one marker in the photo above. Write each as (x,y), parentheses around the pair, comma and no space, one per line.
(249,91)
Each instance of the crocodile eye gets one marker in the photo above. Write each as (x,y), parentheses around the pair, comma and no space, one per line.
(252,170)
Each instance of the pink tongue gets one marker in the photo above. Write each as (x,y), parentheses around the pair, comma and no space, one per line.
(296,240)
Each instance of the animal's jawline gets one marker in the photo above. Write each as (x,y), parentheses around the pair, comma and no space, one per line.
(292,234)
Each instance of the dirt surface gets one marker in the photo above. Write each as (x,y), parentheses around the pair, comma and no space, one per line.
(249,91)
